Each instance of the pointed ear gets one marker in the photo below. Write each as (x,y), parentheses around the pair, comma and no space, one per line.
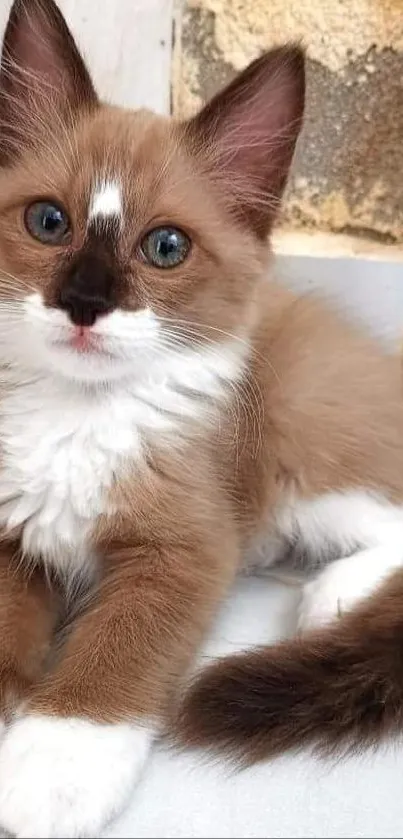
(247,133)
(41,71)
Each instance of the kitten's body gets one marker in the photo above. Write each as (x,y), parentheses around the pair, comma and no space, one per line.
(160,428)
(65,446)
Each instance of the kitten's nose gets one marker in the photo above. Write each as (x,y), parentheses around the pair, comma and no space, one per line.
(87,291)
(83,309)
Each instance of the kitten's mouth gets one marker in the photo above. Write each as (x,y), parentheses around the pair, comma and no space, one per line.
(83,340)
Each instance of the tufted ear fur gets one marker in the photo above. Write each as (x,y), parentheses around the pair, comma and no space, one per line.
(42,74)
(249,131)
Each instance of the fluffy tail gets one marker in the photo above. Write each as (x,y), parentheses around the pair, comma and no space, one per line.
(338,689)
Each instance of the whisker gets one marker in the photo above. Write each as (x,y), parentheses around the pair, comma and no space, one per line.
(247,394)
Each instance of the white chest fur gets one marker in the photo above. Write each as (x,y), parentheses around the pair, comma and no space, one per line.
(62,446)
(60,450)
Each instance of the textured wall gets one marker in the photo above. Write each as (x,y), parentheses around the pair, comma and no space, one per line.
(128,47)
(348,172)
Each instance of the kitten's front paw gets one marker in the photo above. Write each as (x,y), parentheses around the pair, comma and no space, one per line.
(67,777)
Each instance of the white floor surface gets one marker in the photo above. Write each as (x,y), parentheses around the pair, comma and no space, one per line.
(295,796)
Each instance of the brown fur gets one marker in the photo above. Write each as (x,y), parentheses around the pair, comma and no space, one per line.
(338,689)
(164,574)
(29,612)
(319,407)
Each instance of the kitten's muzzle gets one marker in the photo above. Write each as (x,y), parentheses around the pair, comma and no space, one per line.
(88,291)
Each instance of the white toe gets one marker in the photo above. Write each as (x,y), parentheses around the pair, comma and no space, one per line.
(345,583)
(67,777)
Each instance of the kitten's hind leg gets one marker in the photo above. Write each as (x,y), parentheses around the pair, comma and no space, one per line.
(344,583)
(364,529)
(28,614)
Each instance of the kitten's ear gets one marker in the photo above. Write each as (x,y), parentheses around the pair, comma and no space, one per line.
(248,132)
(41,70)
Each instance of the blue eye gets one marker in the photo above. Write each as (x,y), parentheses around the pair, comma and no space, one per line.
(47,222)
(165,247)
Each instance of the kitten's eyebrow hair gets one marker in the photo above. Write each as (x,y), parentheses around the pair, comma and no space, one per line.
(106,200)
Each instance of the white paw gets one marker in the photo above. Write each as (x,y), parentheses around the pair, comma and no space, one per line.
(343,584)
(67,777)
(321,603)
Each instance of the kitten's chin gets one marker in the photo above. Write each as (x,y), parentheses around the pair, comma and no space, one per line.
(94,367)
(37,355)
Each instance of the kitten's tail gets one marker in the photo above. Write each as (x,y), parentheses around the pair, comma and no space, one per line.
(338,689)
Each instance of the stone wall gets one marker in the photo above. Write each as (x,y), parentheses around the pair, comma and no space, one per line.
(348,170)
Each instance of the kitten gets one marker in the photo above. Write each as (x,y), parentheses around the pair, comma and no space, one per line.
(165,409)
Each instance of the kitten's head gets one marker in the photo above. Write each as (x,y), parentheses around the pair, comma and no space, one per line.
(127,238)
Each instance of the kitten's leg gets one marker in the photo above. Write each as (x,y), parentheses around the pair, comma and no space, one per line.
(344,583)
(69,763)
(366,532)
(28,612)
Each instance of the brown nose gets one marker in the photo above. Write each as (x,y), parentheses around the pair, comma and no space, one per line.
(88,291)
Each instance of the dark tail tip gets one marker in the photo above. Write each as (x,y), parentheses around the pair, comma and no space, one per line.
(337,690)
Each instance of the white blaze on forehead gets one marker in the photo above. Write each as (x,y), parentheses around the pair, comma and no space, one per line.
(106,200)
